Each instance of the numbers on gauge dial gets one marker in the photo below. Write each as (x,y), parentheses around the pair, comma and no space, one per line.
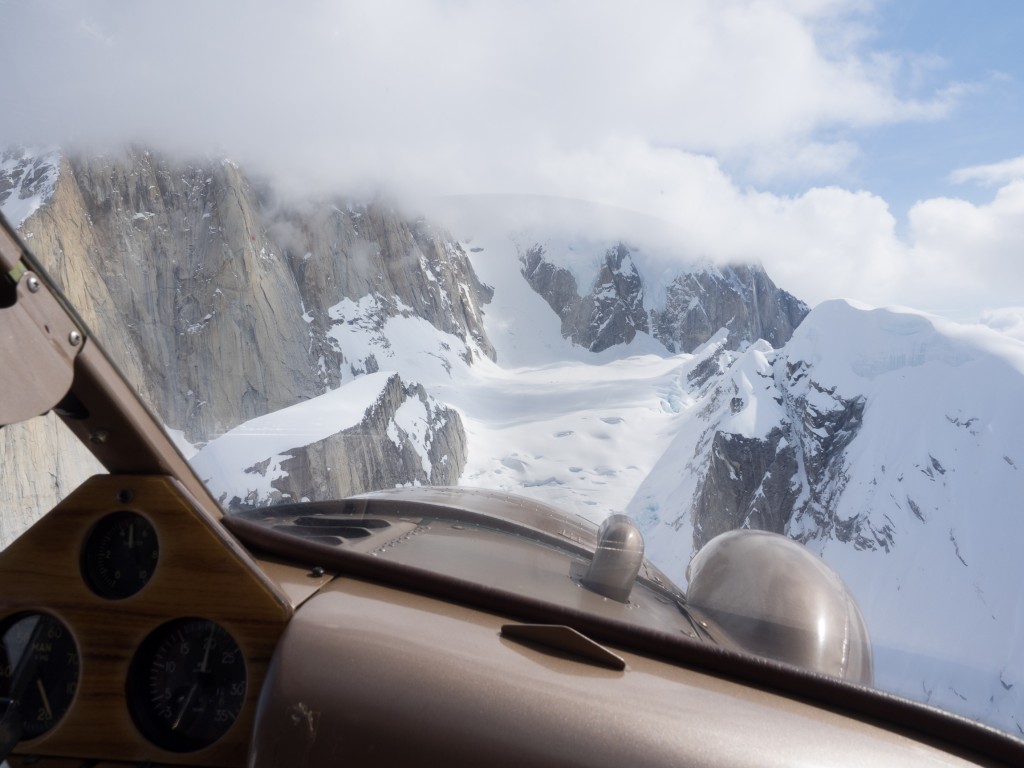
(38,670)
(188,683)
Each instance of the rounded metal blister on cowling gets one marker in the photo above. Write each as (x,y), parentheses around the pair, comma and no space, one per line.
(771,596)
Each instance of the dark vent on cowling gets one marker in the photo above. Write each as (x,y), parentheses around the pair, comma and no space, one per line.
(332,529)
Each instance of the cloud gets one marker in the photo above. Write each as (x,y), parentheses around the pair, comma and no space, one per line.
(640,107)
(1007,320)
(962,249)
(453,96)
(956,258)
(809,160)
(991,174)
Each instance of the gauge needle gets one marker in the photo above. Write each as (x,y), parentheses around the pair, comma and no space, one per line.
(44,699)
(184,706)
(206,653)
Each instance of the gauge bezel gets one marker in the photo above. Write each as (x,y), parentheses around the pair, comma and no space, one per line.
(58,702)
(116,586)
(194,684)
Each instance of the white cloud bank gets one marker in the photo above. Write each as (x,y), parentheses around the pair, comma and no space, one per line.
(638,106)
(955,259)
(453,96)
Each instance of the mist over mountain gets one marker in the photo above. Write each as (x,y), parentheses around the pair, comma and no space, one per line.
(692,305)
(320,348)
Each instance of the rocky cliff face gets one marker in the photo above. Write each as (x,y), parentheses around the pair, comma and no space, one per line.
(889,443)
(423,442)
(611,313)
(411,268)
(41,462)
(789,476)
(697,302)
(215,298)
(741,299)
(203,271)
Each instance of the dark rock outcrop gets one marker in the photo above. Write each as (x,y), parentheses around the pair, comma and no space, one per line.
(698,303)
(181,266)
(741,299)
(748,484)
(378,452)
(610,314)
(789,478)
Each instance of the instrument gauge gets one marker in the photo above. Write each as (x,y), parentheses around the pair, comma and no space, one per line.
(186,685)
(38,670)
(120,555)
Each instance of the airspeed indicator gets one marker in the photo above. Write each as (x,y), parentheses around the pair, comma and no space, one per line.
(187,684)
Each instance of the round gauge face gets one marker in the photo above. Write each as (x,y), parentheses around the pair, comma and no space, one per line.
(187,684)
(38,670)
(120,555)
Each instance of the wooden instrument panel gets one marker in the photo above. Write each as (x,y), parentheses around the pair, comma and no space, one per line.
(200,572)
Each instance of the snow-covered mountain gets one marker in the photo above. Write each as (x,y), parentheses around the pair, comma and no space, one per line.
(606,295)
(305,349)
(27,180)
(891,443)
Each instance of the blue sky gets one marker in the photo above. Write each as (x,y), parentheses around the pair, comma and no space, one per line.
(827,139)
(977,45)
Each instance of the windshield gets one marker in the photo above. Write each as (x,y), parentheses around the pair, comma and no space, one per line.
(651,261)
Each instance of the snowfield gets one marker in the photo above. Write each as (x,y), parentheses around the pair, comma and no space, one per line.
(226,464)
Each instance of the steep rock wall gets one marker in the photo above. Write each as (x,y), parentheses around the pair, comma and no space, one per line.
(212,296)
(182,267)
(741,299)
(698,302)
(380,452)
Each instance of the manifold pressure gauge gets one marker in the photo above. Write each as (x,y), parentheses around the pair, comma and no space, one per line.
(38,671)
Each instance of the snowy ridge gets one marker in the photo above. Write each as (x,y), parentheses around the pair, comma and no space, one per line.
(377,331)
(905,441)
(245,461)
(28,178)
(938,462)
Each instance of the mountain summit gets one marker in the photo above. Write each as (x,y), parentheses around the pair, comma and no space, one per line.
(692,306)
